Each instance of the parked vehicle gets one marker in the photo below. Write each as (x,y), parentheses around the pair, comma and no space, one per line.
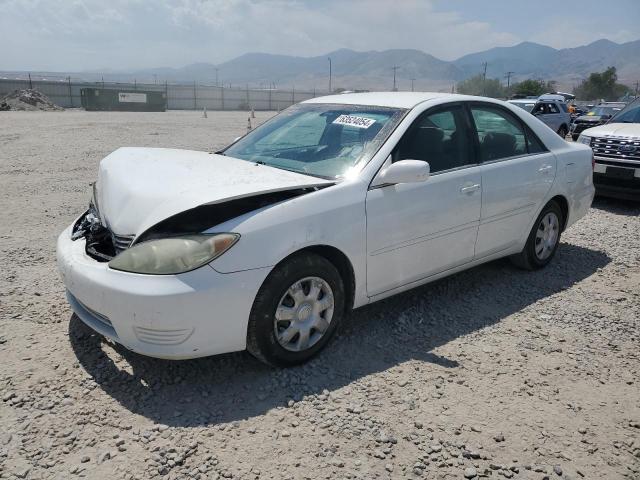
(526,104)
(555,114)
(597,115)
(333,204)
(616,148)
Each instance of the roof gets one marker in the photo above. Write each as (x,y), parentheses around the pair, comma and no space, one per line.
(385,99)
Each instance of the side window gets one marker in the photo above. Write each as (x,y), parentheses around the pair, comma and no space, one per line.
(553,108)
(540,109)
(500,135)
(534,145)
(439,137)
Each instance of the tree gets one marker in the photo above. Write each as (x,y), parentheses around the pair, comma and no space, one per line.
(478,85)
(530,87)
(601,85)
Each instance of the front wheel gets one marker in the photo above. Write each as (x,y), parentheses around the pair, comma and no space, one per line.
(543,239)
(296,311)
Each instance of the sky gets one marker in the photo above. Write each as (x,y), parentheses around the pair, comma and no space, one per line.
(79,35)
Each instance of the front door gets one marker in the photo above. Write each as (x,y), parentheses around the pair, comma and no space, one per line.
(416,230)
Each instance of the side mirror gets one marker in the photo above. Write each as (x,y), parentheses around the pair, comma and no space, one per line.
(404,171)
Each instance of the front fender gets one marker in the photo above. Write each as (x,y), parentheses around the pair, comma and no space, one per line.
(334,216)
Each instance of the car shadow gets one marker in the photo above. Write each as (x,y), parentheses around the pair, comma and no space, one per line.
(373,338)
(617,206)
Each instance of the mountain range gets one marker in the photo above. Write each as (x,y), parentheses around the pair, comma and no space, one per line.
(374,69)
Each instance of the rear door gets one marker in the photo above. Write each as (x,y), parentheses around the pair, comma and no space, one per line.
(416,230)
(517,172)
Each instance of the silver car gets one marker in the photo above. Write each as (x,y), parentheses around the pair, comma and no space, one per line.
(554,114)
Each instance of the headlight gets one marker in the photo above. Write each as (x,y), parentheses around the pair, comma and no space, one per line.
(173,255)
(584,139)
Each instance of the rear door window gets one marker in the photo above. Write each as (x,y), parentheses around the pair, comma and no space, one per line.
(500,135)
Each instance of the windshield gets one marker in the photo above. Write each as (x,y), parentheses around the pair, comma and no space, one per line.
(323,140)
(600,111)
(629,114)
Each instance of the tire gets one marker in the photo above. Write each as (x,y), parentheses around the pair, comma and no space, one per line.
(562,131)
(269,336)
(531,257)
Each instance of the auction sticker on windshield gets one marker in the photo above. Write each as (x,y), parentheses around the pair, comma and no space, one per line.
(354,121)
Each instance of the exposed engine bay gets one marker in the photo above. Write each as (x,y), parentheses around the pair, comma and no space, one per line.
(102,244)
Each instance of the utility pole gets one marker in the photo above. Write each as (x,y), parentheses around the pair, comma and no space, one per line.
(70,96)
(484,78)
(412,80)
(508,75)
(329,58)
(216,76)
(394,68)
(30,83)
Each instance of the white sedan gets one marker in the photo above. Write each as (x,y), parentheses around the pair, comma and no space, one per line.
(335,203)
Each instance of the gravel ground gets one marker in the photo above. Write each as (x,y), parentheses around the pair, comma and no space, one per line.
(491,373)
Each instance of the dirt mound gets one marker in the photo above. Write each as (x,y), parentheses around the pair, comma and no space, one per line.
(28,99)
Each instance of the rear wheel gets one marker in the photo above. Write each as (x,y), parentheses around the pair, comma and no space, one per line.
(296,311)
(543,239)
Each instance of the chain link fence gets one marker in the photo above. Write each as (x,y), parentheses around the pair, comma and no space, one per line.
(66,93)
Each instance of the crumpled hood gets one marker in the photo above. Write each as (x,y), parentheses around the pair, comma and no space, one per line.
(615,129)
(138,187)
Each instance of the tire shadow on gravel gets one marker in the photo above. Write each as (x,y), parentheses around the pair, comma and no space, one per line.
(373,339)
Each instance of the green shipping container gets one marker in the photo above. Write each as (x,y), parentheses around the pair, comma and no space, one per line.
(103,99)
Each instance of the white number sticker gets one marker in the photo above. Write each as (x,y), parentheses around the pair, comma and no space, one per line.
(354,121)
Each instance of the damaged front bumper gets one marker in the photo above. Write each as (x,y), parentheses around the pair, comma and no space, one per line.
(194,314)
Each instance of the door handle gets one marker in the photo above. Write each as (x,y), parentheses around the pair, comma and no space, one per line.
(469,189)
(546,169)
